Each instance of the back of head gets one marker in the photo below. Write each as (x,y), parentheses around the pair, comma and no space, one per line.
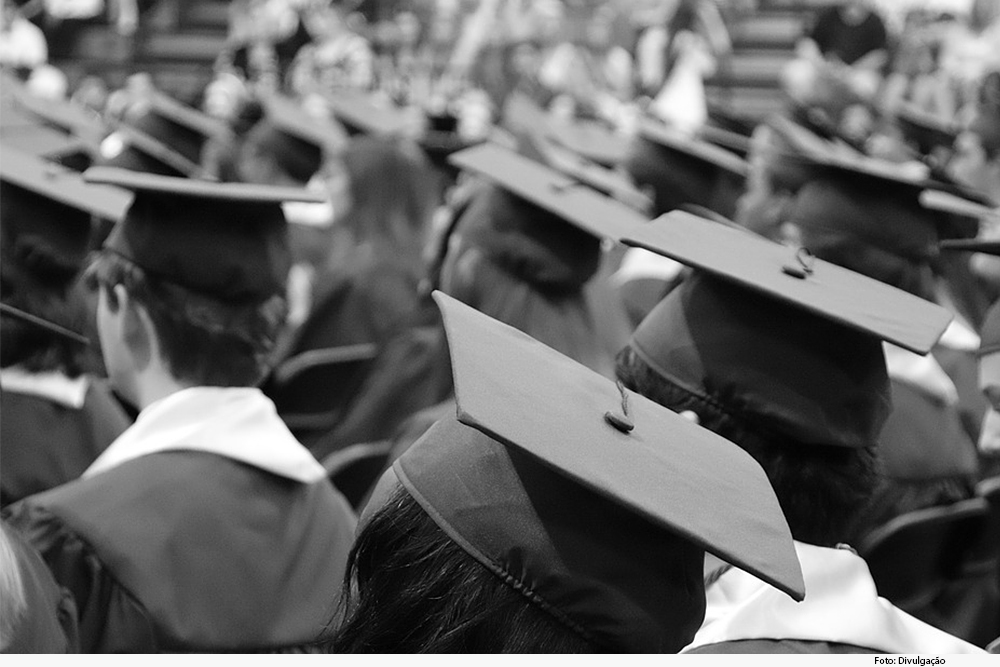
(410,589)
(526,267)
(42,247)
(390,194)
(806,397)
(881,232)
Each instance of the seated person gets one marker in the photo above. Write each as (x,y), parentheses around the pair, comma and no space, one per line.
(56,417)
(205,526)
(558,513)
(771,352)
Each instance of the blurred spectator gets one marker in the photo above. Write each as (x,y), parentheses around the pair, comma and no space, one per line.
(337,57)
(22,44)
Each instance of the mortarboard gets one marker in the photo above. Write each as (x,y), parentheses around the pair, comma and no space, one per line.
(536,223)
(42,323)
(590,140)
(926,130)
(45,142)
(63,115)
(361,113)
(685,170)
(224,240)
(160,135)
(542,186)
(794,343)
(593,502)
(47,211)
(296,140)
(851,197)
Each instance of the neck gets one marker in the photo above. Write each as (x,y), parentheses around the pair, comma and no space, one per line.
(153,385)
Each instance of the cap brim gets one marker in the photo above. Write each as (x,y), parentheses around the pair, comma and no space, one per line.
(672,472)
(243,192)
(825,289)
(360,112)
(701,150)
(562,195)
(589,140)
(63,185)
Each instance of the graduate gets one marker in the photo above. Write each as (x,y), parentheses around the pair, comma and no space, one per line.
(205,526)
(159,135)
(772,348)
(556,512)
(57,417)
(866,215)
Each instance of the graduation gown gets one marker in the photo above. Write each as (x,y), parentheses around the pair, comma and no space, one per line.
(204,527)
(53,427)
(842,613)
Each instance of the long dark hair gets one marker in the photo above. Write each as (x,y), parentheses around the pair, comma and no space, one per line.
(410,589)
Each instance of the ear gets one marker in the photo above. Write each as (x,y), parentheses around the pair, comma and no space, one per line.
(136,328)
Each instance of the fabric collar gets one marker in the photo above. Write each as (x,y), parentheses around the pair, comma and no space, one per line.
(958,336)
(52,385)
(238,423)
(922,372)
(841,605)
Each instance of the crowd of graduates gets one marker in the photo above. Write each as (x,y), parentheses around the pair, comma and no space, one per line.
(477,327)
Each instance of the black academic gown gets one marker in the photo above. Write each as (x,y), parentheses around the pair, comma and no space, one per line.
(192,551)
(44,443)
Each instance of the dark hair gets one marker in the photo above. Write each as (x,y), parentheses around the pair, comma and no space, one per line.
(821,489)
(37,281)
(203,340)
(391,197)
(411,589)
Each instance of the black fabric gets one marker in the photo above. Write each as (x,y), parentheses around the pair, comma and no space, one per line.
(678,179)
(240,560)
(231,250)
(44,444)
(529,242)
(624,582)
(849,43)
(295,156)
(781,369)
(132,158)
(42,237)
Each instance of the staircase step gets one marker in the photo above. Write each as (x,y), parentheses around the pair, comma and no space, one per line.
(771,29)
(186,47)
(751,103)
(207,15)
(753,68)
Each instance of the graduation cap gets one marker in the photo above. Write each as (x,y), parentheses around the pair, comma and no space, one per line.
(43,324)
(49,144)
(593,502)
(542,186)
(66,116)
(792,342)
(926,130)
(224,240)
(363,113)
(590,140)
(685,170)
(295,140)
(159,135)
(47,212)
